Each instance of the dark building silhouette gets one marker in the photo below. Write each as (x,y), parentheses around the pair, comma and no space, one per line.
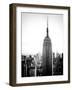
(58,64)
(26,66)
(47,55)
(23,66)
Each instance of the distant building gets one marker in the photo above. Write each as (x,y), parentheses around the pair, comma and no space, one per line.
(26,66)
(23,66)
(58,64)
(47,55)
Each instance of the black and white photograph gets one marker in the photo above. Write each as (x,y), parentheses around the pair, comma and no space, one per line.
(42,44)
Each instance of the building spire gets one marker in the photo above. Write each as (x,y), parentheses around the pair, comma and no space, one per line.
(47,26)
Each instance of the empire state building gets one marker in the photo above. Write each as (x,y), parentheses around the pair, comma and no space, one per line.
(47,55)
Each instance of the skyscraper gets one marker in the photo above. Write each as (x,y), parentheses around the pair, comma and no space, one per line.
(47,55)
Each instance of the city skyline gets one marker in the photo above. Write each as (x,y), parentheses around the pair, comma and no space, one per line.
(32,66)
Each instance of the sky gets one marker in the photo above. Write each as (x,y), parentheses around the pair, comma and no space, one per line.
(34,31)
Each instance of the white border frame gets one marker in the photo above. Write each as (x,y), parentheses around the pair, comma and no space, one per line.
(64,77)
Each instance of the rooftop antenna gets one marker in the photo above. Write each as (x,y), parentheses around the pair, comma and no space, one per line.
(47,26)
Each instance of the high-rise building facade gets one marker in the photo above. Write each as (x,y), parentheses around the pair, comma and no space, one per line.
(47,55)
